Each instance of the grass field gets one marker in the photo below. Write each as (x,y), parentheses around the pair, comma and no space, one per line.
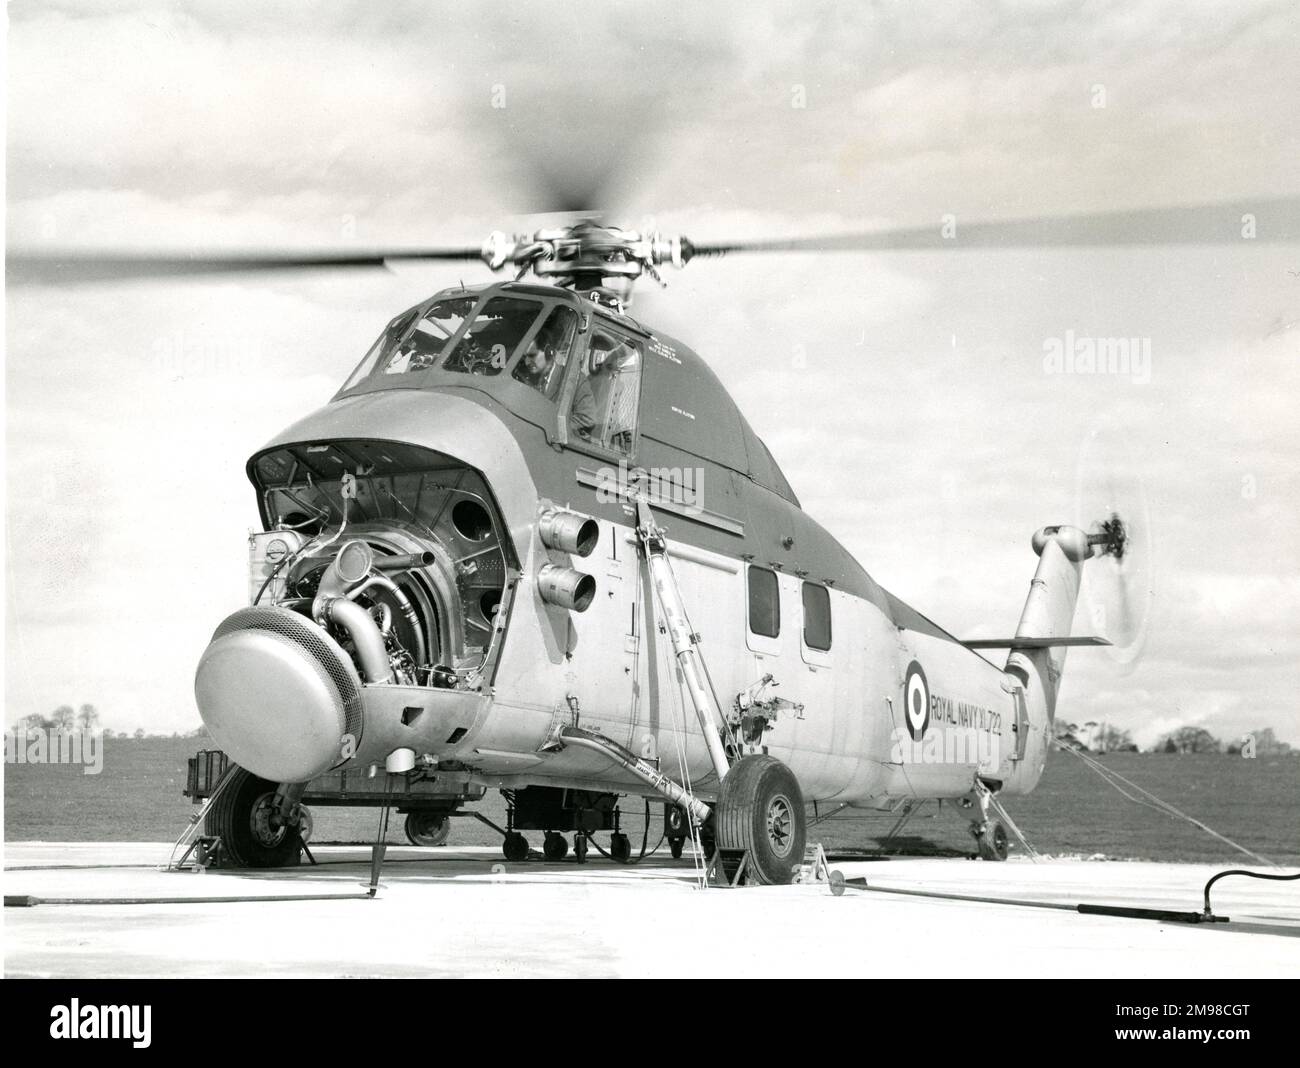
(137,797)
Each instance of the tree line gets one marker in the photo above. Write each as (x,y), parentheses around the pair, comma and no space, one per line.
(86,718)
(1107,738)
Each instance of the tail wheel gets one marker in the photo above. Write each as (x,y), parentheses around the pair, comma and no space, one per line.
(245,817)
(992,841)
(761,812)
(427,828)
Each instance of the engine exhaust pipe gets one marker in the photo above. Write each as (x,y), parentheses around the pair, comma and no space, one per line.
(567,532)
(566,587)
(403,562)
(365,635)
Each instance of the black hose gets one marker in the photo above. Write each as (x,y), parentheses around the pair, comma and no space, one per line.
(1249,874)
(24,901)
(645,837)
(1161,915)
(271,576)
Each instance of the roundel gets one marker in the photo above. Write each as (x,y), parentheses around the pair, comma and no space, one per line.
(916,701)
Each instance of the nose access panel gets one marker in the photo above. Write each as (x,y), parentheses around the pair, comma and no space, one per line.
(278,694)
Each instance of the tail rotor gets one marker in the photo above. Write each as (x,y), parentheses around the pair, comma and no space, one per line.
(1119,586)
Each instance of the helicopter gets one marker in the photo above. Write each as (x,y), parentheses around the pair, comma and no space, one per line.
(533,545)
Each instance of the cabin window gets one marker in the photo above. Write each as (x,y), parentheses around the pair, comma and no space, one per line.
(764,602)
(604,407)
(546,353)
(816,616)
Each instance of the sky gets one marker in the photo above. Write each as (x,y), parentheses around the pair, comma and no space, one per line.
(906,396)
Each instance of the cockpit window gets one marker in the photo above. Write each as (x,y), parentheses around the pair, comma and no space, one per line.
(392,334)
(529,338)
(420,349)
(487,346)
(545,355)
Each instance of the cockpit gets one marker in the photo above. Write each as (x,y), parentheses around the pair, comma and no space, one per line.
(509,341)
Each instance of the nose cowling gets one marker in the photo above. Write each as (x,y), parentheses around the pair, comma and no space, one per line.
(279,695)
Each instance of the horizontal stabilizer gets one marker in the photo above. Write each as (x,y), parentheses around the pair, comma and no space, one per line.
(1034,643)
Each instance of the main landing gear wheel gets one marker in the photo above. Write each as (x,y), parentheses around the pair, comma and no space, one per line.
(580,847)
(244,816)
(675,847)
(515,846)
(991,841)
(761,813)
(427,828)
(555,846)
(620,848)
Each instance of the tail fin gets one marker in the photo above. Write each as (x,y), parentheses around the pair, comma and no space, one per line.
(1035,658)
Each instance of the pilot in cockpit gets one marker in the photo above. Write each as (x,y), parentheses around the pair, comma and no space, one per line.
(542,368)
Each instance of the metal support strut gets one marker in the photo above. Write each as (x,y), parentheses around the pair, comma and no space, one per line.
(685,641)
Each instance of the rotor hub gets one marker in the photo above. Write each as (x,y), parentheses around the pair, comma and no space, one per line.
(587,255)
(1112,538)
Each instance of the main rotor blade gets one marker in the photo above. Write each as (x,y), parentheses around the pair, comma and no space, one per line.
(1271,221)
(70,267)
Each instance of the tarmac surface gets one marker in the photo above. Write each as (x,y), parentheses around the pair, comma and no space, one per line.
(461,912)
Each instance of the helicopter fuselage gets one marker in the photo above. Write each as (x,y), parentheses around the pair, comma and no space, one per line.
(866,700)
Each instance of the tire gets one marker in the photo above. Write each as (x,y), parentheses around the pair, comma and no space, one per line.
(992,842)
(555,847)
(427,828)
(240,817)
(761,812)
(515,847)
(620,848)
(675,846)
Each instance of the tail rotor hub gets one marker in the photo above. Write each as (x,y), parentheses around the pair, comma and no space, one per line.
(1112,538)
